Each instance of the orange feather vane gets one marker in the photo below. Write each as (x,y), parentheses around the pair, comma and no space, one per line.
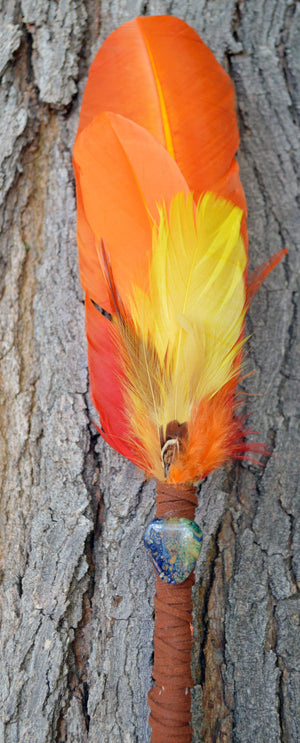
(158,188)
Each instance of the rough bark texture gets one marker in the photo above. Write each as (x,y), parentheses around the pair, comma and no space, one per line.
(77,590)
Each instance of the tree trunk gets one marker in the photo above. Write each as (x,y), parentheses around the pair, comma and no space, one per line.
(77,588)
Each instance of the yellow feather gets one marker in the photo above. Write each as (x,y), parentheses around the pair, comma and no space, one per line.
(196,303)
(185,330)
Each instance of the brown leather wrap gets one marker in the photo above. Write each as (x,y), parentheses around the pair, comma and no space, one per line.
(170,698)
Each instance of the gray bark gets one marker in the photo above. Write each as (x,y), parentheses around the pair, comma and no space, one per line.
(77,590)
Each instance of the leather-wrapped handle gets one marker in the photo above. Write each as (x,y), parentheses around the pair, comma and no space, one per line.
(170,697)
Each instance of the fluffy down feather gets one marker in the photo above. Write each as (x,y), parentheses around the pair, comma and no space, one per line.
(179,339)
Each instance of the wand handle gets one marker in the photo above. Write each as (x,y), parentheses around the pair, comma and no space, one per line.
(170,697)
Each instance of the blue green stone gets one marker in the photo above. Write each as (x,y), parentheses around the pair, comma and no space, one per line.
(174,546)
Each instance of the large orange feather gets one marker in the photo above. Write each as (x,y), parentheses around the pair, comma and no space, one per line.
(157,72)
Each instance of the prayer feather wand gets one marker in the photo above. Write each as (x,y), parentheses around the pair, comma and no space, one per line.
(163,260)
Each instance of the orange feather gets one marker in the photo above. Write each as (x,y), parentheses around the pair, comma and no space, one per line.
(122,172)
(157,72)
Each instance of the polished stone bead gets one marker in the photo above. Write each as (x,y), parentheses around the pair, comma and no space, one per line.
(174,545)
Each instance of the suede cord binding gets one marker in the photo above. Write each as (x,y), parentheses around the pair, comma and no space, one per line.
(170,697)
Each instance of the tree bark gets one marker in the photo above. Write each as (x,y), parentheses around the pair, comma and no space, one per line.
(77,589)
